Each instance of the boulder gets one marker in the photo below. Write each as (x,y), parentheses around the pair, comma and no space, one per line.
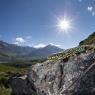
(72,77)
(21,86)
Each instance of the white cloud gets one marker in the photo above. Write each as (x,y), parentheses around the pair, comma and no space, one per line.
(55,45)
(19,41)
(39,45)
(90,8)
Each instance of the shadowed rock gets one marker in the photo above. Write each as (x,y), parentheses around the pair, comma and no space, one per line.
(21,87)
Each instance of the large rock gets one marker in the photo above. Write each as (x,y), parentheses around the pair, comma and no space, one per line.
(71,77)
(21,86)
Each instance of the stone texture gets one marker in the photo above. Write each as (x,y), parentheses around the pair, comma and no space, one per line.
(58,77)
(63,78)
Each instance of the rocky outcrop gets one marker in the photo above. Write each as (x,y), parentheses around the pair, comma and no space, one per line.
(71,74)
(21,86)
(86,85)
(75,76)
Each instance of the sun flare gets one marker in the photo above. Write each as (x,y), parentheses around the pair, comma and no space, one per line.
(64,24)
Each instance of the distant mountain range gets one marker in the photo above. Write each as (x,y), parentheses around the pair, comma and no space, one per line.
(13,51)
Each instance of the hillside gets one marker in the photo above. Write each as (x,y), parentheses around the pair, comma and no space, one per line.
(74,75)
(12,51)
(89,40)
(69,72)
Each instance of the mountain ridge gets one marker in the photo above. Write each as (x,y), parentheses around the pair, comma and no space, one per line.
(89,40)
(28,52)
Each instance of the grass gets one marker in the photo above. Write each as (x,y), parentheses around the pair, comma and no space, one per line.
(71,52)
(14,67)
(4,70)
(89,40)
(4,91)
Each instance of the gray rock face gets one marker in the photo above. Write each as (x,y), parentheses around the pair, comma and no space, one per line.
(65,78)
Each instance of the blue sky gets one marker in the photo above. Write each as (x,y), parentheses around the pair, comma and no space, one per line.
(34,22)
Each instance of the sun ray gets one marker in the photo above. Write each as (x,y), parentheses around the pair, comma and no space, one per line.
(64,25)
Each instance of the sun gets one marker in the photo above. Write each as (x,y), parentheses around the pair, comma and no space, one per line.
(64,24)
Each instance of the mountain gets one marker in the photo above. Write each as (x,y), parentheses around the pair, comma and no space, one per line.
(71,72)
(12,50)
(89,40)
(46,51)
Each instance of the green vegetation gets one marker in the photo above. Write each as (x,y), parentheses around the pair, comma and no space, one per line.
(5,68)
(7,54)
(4,91)
(71,52)
(89,40)
(38,60)
(14,67)
(5,72)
